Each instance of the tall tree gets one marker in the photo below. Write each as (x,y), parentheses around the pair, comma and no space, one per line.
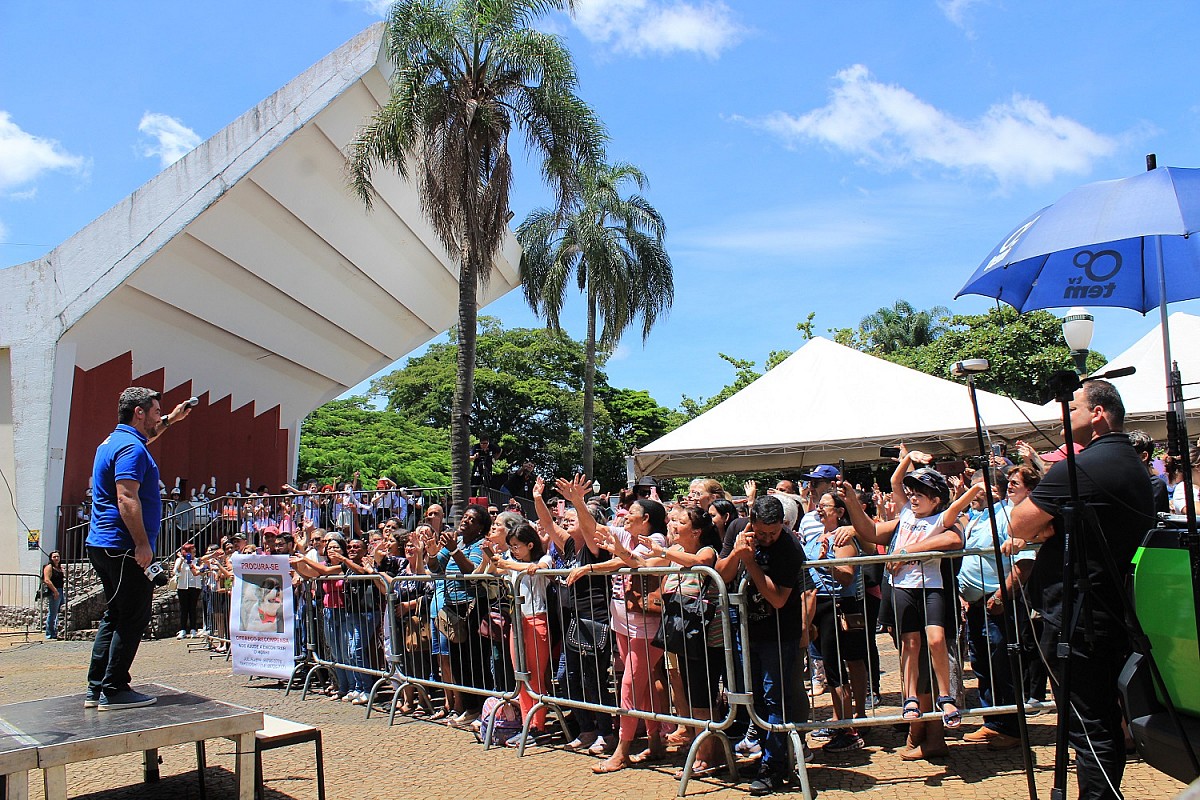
(901,327)
(611,248)
(466,73)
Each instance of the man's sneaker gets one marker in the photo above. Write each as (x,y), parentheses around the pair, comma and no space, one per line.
(767,784)
(360,699)
(125,699)
(824,734)
(515,741)
(1033,707)
(91,698)
(748,747)
(582,742)
(872,701)
(843,741)
(602,745)
(181,635)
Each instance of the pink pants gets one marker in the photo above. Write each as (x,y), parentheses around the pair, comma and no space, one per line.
(537,659)
(643,663)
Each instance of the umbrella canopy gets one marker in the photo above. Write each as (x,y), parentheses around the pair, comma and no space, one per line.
(1099,246)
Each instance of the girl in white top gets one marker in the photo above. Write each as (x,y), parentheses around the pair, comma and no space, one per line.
(527,556)
(927,523)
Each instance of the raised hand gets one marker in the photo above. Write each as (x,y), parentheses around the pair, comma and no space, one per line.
(539,487)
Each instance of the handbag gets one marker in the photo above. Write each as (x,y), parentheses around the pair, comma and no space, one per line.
(850,620)
(643,594)
(493,625)
(415,626)
(452,625)
(684,619)
(587,637)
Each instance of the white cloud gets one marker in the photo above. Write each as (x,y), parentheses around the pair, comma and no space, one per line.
(653,26)
(956,10)
(378,8)
(172,139)
(886,125)
(23,156)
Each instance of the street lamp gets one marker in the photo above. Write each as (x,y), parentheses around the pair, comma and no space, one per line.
(1077,328)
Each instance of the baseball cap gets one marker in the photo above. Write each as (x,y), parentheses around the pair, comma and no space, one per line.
(929,479)
(825,472)
(270,530)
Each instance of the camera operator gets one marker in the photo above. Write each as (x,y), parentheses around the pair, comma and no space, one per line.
(1114,485)
(121,535)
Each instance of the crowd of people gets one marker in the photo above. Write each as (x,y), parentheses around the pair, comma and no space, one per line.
(649,646)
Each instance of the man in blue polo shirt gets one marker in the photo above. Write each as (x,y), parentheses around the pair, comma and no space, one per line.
(126,512)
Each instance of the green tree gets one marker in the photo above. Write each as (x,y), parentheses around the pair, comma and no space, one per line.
(611,248)
(1023,350)
(466,73)
(901,327)
(745,373)
(348,435)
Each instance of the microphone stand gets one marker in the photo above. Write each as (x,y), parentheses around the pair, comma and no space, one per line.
(1015,669)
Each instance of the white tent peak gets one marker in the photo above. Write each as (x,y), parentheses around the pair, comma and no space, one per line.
(827,402)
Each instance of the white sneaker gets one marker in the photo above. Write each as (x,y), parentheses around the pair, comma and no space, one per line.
(748,747)
(583,741)
(181,634)
(601,746)
(360,698)
(192,634)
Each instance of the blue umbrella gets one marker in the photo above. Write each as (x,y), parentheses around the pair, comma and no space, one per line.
(1125,243)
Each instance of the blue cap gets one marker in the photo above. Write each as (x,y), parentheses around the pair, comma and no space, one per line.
(825,472)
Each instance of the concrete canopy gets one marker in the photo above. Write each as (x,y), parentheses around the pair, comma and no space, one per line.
(828,402)
(247,269)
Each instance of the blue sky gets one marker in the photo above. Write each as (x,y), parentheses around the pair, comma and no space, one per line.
(807,156)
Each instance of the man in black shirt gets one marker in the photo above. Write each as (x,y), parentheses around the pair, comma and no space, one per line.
(778,613)
(1115,487)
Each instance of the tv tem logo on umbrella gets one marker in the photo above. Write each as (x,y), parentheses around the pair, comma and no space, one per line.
(1086,260)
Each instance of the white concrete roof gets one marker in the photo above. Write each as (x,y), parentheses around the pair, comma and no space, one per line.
(252,257)
(248,267)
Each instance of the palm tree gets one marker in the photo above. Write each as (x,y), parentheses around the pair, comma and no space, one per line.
(611,248)
(902,326)
(466,73)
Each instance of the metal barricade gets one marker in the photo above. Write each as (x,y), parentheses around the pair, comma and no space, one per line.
(775,696)
(604,672)
(346,635)
(23,605)
(466,655)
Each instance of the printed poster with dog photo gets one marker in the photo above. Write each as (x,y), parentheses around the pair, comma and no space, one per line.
(261,626)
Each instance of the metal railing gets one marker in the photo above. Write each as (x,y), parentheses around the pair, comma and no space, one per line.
(361,634)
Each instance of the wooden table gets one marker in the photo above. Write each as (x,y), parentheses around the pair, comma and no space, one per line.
(64,732)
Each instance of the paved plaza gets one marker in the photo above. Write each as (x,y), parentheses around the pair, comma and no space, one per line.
(364,758)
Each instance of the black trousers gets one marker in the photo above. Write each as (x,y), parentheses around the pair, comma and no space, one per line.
(187,609)
(128,594)
(1095,731)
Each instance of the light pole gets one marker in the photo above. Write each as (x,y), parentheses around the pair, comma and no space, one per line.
(1077,328)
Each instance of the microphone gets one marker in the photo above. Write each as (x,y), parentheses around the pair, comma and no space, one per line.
(1112,373)
(970,366)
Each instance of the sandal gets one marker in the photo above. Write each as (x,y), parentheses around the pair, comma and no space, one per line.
(676,739)
(606,767)
(441,713)
(911,709)
(700,769)
(951,719)
(647,756)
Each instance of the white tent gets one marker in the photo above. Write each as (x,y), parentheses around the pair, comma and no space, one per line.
(828,402)
(1145,392)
